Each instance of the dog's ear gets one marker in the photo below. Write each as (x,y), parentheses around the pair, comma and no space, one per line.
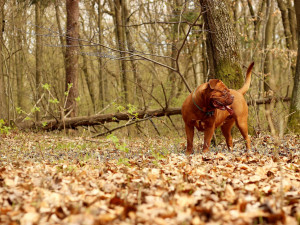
(212,83)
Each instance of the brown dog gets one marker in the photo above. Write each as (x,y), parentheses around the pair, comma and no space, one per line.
(211,105)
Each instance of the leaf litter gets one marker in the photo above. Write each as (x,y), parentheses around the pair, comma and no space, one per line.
(48,179)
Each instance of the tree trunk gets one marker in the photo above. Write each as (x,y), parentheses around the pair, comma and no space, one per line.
(286,24)
(120,37)
(268,63)
(3,100)
(295,102)
(130,46)
(72,7)
(38,55)
(60,32)
(175,35)
(88,79)
(222,45)
(102,81)
(18,43)
(293,22)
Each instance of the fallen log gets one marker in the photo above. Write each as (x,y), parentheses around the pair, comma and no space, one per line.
(99,119)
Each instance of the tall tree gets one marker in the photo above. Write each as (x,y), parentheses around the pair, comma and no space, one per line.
(268,62)
(286,20)
(101,75)
(295,102)
(72,7)
(38,54)
(131,48)
(118,10)
(222,45)
(3,100)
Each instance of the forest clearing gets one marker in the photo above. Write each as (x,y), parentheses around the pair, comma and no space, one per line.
(149,112)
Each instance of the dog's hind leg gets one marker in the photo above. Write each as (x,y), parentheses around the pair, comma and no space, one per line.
(226,130)
(208,133)
(243,127)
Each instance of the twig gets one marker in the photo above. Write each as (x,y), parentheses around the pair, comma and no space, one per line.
(174,126)
(117,128)
(155,99)
(154,126)
(164,91)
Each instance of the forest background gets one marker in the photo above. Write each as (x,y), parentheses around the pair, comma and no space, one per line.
(83,69)
(141,59)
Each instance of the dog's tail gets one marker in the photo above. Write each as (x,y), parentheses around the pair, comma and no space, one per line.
(246,86)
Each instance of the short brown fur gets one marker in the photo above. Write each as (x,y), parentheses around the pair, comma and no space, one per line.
(228,107)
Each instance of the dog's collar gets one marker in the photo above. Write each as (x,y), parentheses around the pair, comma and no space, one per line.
(207,113)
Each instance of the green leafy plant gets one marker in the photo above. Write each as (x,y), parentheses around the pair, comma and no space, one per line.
(120,146)
(54,101)
(46,86)
(4,129)
(132,110)
(77,99)
(35,109)
(19,110)
(44,124)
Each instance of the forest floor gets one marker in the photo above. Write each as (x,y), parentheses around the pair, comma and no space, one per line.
(51,179)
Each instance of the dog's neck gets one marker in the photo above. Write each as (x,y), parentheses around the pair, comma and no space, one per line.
(202,98)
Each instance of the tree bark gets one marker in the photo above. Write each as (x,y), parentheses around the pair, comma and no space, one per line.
(60,32)
(87,76)
(120,38)
(293,22)
(38,55)
(3,99)
(131,48)
(295,102)
(222,46)
(268,62)
(102,80)
(100,119)
(286,24)
(72,7)
(175,35)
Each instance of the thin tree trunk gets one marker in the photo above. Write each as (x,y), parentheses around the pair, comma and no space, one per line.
(131,48)
(102,80)
(204,54)
(72,7)
(60,32)
(175,35)
(87,77)
(293,22)
(38,55)
(268,63)
(286,23)
(3,100)
(295,102)
(120,36)
(17,66)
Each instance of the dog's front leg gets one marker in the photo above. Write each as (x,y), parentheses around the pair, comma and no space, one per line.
(189,130)
(208,133)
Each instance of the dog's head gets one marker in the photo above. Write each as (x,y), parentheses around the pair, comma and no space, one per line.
(220,96)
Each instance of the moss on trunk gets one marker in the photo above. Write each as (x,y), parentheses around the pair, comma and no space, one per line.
(230,73)
(293,123)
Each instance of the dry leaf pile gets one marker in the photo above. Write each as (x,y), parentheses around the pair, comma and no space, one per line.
(56,180)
